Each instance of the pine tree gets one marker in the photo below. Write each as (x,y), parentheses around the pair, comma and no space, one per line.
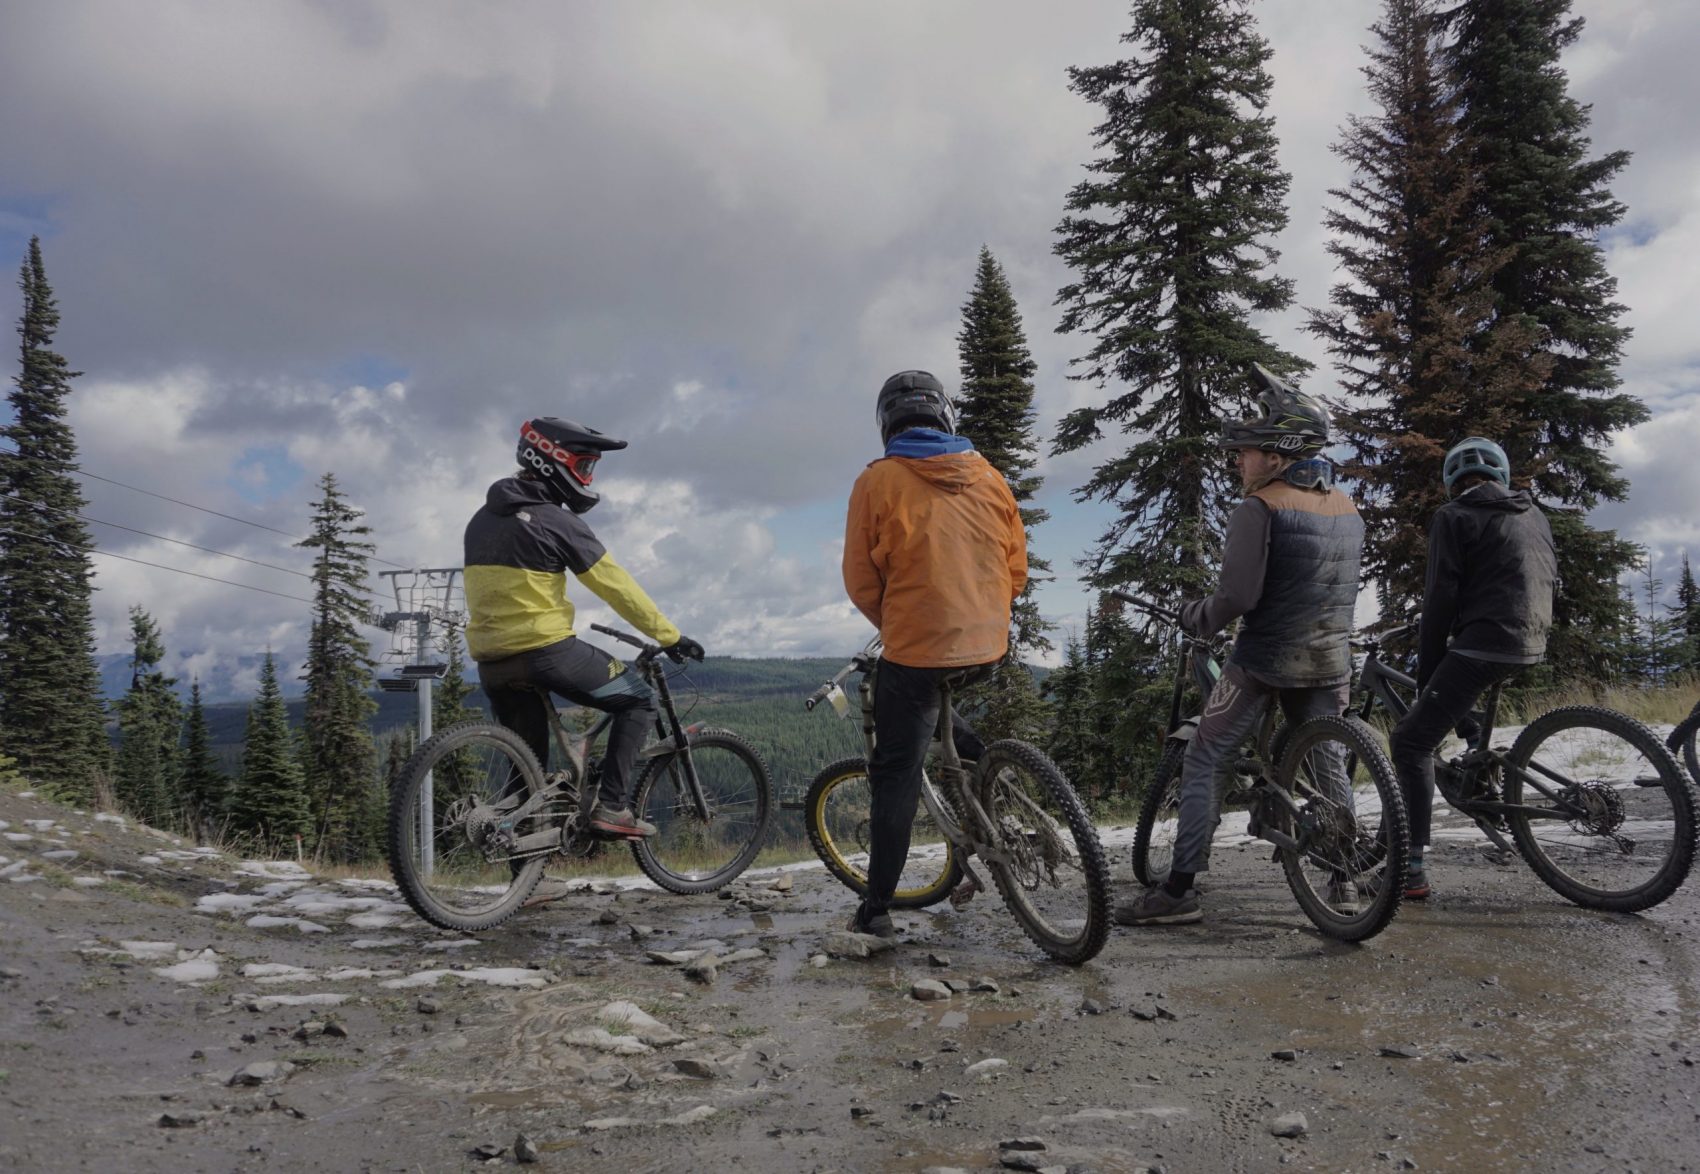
(458,774)
(1685,614)
(269,800)
(1170,241)
(202,784)
(338,756)
(1069,690)
(149,720)
(995,411)
(1544,203)
(51,717)
(1411,328)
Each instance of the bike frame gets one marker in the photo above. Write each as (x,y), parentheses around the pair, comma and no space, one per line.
(672,736)
(1381,683)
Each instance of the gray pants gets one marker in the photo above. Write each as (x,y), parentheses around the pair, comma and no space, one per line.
(1232,714)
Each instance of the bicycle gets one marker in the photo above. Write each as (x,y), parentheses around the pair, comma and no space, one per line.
(1321,791)
(473,820)
(1013,811)
(1591,799)
(1682,741)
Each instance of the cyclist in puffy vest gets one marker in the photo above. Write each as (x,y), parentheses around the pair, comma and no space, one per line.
(934,555)
(519,547)
(1487,608)
(1290,569)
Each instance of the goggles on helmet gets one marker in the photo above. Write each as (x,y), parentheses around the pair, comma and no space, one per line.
(582,465)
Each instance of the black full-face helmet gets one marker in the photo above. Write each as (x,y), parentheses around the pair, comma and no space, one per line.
(913,399)
(563,455)
(1287,421)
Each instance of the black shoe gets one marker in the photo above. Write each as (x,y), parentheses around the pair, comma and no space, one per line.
(875,924)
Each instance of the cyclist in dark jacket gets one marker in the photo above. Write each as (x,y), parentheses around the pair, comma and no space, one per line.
(519,547)
(1487,607)
(1290,567)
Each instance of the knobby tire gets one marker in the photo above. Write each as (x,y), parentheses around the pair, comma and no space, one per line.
(933,885)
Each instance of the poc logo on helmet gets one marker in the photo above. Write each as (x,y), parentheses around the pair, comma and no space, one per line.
(542,443)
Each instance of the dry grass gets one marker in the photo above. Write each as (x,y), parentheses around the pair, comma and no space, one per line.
(1665,705)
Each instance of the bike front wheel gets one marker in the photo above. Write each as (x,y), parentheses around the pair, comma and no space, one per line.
(446,815)
(1050,866)
(693,851)
(1685,741)
(1159,817)
(1350,818)
(837,813)
(1618,829)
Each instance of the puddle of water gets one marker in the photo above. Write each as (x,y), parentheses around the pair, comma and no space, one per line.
(518,1098)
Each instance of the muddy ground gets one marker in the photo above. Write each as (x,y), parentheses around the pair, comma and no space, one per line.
(1495,1028)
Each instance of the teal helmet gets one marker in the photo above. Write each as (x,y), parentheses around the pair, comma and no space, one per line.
(1478,455)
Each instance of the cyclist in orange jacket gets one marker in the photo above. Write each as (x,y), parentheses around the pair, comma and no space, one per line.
(934,555)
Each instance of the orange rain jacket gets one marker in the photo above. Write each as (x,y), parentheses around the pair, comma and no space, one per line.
(934,554)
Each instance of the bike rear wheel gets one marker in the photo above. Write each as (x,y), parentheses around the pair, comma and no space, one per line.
(446,874)
(1621,836)
(1346,824)
(1055,880)
(690,854)
(1159,817)
(836,814)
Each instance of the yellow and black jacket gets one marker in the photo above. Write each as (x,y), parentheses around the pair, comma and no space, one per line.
(519,547)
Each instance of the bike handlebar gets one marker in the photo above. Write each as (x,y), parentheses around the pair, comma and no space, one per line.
(1367,643)
(648,648)
(858,664)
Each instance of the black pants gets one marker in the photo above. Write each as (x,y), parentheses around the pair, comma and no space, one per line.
(906,715)
(519,687)
(1451,693)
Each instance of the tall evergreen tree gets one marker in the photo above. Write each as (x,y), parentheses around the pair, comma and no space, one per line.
(1170,238)
(149,721)
(337,750)
(1411,328)
(202,784)
(458,774)
(995,411)
(269,799)
(1686,615)
(51,717)
(1545,202)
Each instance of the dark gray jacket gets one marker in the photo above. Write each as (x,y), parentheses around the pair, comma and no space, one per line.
(1491,574)
(1290,567)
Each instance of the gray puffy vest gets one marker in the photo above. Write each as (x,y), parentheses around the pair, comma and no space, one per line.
(1299,633)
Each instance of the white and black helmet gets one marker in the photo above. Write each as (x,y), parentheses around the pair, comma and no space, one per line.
(563,455)
(913,399)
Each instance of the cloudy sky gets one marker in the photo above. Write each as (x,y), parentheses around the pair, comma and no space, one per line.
(371,236)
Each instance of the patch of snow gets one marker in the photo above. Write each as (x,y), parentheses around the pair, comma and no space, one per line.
(201,968)
(40,825)
(149,859)
(457,944)
(146,950)
(27,878)
(116,872)
(88,882)
(4,825)
(514,976)
(348,973)
(374,920)
(275,970)
(108,817)
(273,870)
(19,837)
(604,1041)
(688,1117)
(227,902)
(640,1023)
(14,867)
(269,1002)
(26,794)
(370,884)
(60,854)
(268,921)
(173,854)
(376,943)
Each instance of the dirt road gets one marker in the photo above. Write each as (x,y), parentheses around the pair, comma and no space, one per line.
(1497,1028)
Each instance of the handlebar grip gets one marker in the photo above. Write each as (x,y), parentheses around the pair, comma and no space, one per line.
(619,635)
(815,698)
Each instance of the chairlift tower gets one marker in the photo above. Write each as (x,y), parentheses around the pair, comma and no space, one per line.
(424,598)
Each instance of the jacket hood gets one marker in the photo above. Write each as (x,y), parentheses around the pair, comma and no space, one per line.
(1494,496)
(513,494)
(952,472)
(926,442)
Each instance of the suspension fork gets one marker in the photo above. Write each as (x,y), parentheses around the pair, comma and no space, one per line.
(671,730)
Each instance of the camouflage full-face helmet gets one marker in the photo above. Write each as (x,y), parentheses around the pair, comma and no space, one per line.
(1287,421)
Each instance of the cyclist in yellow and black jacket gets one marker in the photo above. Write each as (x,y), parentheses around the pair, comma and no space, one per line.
(519,547)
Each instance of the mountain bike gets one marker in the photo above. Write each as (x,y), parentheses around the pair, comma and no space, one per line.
(474,820)
(1321,791)
(1159,810)
(1013,811)
(1682,741)
(1593,802)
